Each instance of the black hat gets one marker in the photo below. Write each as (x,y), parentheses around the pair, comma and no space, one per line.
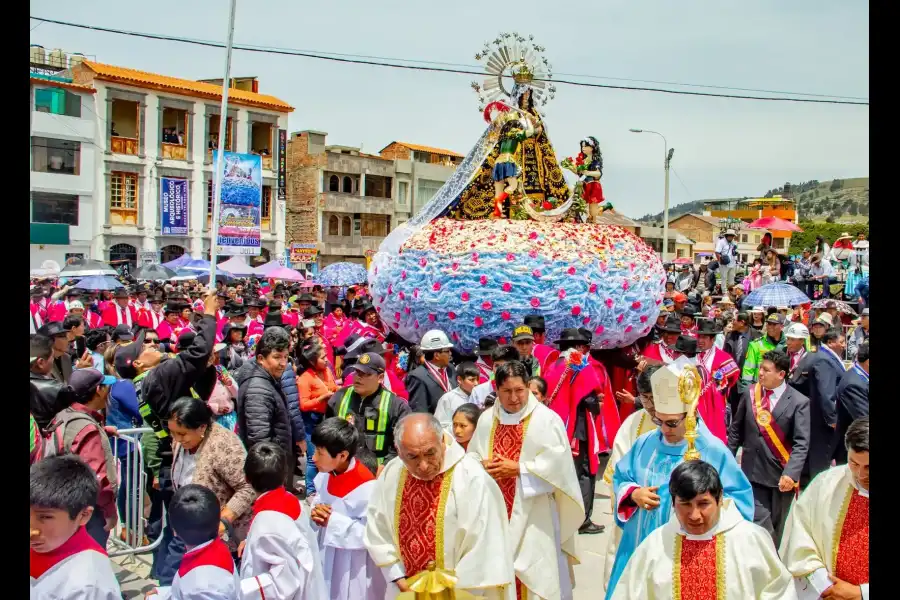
(536,322)
(185,339)
(122,332)
(312,311)
(586,333)
(686,345)
(672,324)
(708,327)
(120,293)
(52,329)
(173,307)
(522,332)
(235,310)
(688,311)
(775,319)
(273,319)
(222,294)
(306,298)
(158,299)
(125,356)
(37,291)
(486,345)
(369,363)
(256,303)
(73,293)
(364,307)
(274,305)
(84,381)
(572,337)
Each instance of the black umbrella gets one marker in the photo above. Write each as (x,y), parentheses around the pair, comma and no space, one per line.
(87,268)
(154,272)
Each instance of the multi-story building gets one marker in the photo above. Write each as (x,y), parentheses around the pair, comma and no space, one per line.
(705,231)
(345,201)
(142,127)
(750,209)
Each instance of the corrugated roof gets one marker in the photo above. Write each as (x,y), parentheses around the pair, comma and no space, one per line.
(183,86)
(420,148)
(657,233)
(709,219)
(63,84)
(615,218)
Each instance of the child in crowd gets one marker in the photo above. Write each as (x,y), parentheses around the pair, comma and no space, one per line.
(344,486)
(467,376)
(280,557)
(538,387)
(207,570)
(66,562)
(464,421)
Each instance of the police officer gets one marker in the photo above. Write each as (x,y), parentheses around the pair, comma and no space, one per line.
(368,400)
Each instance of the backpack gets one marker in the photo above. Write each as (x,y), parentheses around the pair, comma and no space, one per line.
(54,440)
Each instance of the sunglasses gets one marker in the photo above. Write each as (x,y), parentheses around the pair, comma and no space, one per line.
(669,424)
(155,342)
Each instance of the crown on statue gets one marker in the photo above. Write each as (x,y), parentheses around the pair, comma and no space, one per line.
(523,74)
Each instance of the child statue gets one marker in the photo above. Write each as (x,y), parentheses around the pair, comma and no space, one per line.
(514,128)
(588,166)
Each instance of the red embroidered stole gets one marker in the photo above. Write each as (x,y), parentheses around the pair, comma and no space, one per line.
(698,566)
(419,520)
(851,562)
(506,442)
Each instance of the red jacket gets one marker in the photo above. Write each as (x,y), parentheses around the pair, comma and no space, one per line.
(111,315)
(92,446)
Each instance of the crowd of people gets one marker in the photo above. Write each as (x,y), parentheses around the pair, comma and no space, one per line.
(299,449)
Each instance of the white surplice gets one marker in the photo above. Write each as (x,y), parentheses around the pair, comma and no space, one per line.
(634,426)
(80,570)
(812,527)
(281,558)
(350,573)
(475,527)
(548,509)
(207,572)
(750,563)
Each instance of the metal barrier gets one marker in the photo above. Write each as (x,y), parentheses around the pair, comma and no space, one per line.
(132,475)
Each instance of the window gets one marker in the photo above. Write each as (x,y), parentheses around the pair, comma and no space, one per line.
(121,255)
(123,189)
(333,225)
(334,184)
(266,207)
(55,156)
(374,226)
(345,226)
(679,253)
(744,238)
(744,258)
(402,192)
(213,141)
(261,138)
(348,186)
(57,101)
(778,243)
(425,191)
(210,195)
(54,208)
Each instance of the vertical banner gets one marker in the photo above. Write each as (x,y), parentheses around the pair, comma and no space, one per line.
(240,205)
(282,163)
(173,204)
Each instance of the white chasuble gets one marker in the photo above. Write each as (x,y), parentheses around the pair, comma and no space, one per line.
(634,426)
(458,520)
(827,533)
(735,560)
(544,502)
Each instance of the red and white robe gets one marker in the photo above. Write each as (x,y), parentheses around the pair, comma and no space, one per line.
(114,315)
(149,318)
(77,567)
(207,572)
(720,373)
(485,371)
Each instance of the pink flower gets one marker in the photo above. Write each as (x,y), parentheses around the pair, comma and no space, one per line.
(416,293)
(507,287)
(643,318)
(658,301)
(636,304)
(593,288)
(628,329)
(486,305)
(625,285)
(609,303)
(455,266)
(533,235)
(505,315)
(561,293)
(502,341)
(532,253)
(535,302)
(455,336)
(437,286)
(401,295)
(406,310)
(464,296)
(576,310)
(451,315)
(396,316)
(403,275)
(483,280)
(536,273)
(510,257)
(422,262)
(479,321)
(586,320)
(432,317)
(600,329)
(390,289)
(620,318)
(474,255)
(571,271)
(416,324)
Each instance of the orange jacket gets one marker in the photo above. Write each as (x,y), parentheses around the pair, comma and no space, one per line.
(315,391)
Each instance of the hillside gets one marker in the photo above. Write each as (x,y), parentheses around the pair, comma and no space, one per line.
(836,201)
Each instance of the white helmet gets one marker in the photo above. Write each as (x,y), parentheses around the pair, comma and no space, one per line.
(797,330)
(435,340)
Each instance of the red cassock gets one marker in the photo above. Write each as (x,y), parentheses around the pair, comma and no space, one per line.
(719,373)
(114,315)
(566,388)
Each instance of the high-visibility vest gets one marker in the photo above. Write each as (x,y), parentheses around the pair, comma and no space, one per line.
(383,407)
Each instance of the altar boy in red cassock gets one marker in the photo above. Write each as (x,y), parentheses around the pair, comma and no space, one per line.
(720,373)
(280,559)
(66,563)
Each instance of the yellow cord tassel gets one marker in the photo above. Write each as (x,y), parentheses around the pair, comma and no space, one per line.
(434,584)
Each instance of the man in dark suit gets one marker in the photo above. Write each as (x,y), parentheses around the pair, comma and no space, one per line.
(428,382)
(852,399)
(817,377)
(736,343)
(772,425)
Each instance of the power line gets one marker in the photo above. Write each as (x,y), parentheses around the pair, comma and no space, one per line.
(459,71)
(677,176)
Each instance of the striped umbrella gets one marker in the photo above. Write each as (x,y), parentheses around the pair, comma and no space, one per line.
(776,294)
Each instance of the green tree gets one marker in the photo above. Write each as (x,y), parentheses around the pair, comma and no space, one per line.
(853,209)
(830,219)
(835,185)
(864,208)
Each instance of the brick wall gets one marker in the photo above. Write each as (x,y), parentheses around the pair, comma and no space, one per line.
(396,151)
(696,229)
(303,173)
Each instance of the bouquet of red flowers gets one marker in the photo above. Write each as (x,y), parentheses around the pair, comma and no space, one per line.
(576,164)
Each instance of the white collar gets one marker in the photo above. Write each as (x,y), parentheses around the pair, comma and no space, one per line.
(511,418)
(778,392)
(862,492)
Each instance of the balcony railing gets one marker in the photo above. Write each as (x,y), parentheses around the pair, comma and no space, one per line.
(174,151)
(123,145)
(351,203)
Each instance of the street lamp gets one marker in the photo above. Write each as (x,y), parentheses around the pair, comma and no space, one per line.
(667,158)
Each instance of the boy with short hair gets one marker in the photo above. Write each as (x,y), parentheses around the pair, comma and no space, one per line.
(207,570)
(65,561)
(467,377)
(280,557)
(344,486)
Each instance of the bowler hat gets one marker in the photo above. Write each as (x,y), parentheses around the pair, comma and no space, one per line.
(486,345)
(708,327)
(572,336)
(686,345)
(536,322)
(312,311)
(672,324)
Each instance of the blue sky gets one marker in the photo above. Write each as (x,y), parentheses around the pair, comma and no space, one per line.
(723,147)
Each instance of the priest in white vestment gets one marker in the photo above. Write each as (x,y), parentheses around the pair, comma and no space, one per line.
(525,447)
(437,506)
(706,550)
(826,538)
(634,426)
